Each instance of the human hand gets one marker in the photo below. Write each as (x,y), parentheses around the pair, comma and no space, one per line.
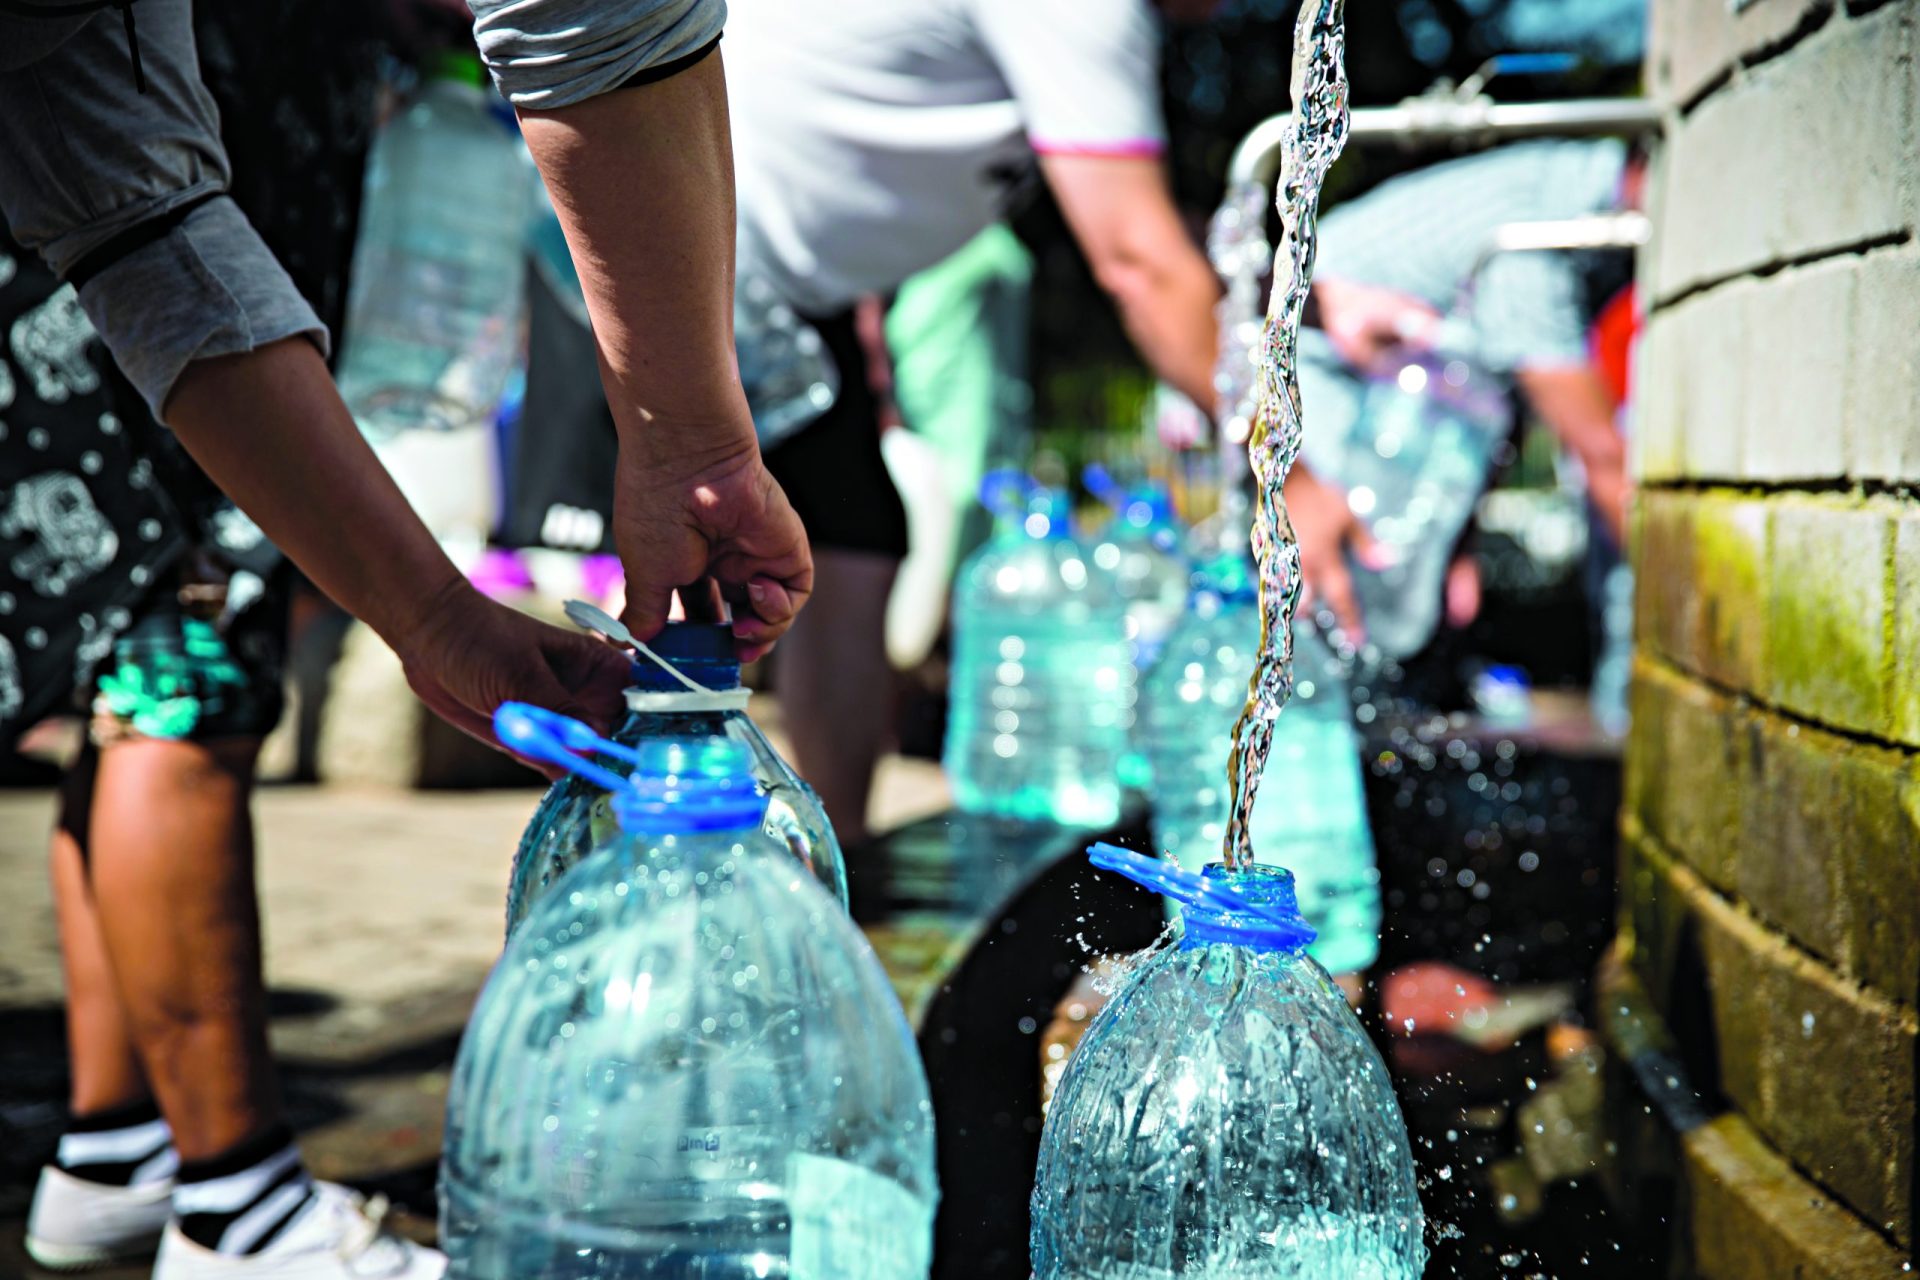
(469,654)
(720,517)
(1327,528)
(1363,320)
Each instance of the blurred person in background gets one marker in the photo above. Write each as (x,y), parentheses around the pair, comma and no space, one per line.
(113,171)
(1397,260)
(872,139)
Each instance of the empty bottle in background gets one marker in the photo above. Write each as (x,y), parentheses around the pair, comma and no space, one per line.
(1311,813)
(577,814)
(688,1062)
(1141,547)
(433,314)
(1414,463)
(1226,1114)
(1042,689)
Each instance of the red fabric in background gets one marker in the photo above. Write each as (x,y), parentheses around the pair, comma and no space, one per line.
(1611,342)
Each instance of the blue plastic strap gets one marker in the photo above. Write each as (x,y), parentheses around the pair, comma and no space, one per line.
(548,736)
(1171,880)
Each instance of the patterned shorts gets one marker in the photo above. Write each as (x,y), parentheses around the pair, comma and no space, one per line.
(187,670)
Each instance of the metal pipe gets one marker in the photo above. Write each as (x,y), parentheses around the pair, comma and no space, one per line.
(1476,122)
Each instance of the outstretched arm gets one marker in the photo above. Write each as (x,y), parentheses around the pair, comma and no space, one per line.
(625,111)
(270,429)
(1122,214)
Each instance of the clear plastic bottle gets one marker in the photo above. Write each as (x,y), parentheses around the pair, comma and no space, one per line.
(1310,815)
(1226,1116)
(1414,464)
(1042,689)
(1141,547)
(433,313)
(577,814)
(688,1062)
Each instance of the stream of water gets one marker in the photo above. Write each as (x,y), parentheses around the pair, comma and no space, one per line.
(1316,133)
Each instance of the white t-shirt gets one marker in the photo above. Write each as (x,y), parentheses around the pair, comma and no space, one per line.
(872,138)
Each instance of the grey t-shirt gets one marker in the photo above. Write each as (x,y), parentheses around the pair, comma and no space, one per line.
(872,138)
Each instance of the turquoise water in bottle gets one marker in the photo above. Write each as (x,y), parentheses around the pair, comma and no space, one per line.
(1141,548)
(1043,685)
(1226,1116)
(433,313)
(1310,815)
(687,1063)
(576,814)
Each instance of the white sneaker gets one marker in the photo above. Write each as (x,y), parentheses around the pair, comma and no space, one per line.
(336,1237)
(75,1224)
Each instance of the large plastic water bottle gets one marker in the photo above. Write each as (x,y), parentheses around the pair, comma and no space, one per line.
(577,814)
(688,1063)
(1141,547)
(1043,685)
(1310,815)
(1226,1115)
(433,314)
(1414,464)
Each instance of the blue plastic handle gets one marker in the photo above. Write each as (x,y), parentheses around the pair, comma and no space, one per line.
(1006,492)
(1173,881)
(1535,64)
(548,736)
(1101,484)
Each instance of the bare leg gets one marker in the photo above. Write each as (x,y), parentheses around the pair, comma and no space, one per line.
(836,686)
(105,1066)
(172,873)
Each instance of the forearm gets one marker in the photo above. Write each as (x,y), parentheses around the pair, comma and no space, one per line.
(642,180)
(1168,310)
(1579,410)
(270,429)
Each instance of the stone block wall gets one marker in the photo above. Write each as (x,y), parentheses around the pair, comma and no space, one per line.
(1772,825)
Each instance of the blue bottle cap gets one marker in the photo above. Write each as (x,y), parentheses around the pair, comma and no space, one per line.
(677,784)
(702,651)
(687,785)
(1253,908)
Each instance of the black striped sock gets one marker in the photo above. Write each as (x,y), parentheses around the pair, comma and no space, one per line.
(120,1147)
(240,1201)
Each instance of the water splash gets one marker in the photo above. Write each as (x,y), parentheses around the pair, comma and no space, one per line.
(1314,138)
(1238,249)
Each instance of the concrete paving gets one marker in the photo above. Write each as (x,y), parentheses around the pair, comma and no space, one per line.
(382,911)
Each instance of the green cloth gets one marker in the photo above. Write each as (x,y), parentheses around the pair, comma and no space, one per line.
(957,333)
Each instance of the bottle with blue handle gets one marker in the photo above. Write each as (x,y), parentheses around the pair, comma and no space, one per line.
(433,314)
(1310,815)
(1042,690)
(577,813)
(1226,1114)
(688,1062)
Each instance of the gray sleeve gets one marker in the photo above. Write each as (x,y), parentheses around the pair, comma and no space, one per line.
(546,54)
(210,287)
(86,160)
